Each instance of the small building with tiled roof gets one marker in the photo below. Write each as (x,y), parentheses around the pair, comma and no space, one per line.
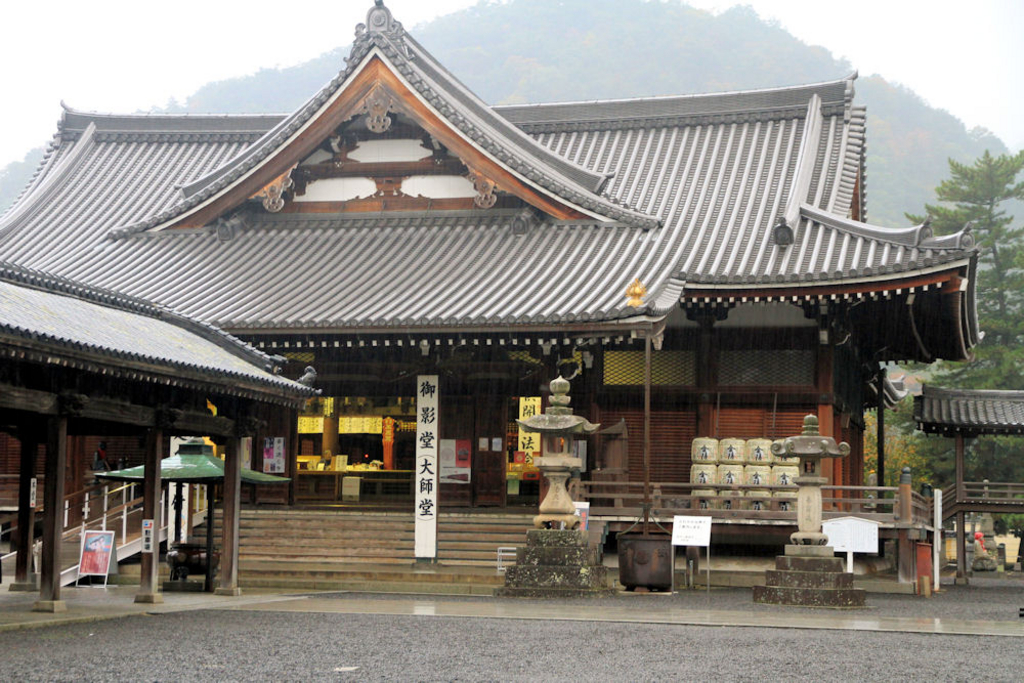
(79,361)
(395,224)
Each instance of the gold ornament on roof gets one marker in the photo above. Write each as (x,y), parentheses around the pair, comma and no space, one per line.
(636,293)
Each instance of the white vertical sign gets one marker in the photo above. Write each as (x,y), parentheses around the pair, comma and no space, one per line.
(425,473)
(147,536)
(32,494)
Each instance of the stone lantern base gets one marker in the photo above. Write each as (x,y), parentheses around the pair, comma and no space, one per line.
(809,576)
(557,564)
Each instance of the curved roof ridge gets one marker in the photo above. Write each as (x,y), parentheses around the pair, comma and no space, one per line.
(76,120)
(47,183)
(919,236)
(37,279)
(691,96)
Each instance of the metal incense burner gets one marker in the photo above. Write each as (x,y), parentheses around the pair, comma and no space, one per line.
(557,425)
(811,447)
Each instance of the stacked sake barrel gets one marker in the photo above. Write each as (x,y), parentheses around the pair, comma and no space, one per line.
(731,462)
(732,458)
(758,472)
(704,470)
(784,471)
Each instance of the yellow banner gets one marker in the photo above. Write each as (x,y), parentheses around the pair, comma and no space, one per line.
(311,425)
(528,441)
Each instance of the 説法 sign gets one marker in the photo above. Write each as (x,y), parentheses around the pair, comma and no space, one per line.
(691,531)
(852,534)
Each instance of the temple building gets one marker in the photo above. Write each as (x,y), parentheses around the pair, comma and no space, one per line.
(701,266)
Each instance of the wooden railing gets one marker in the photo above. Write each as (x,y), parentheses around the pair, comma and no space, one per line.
(880,503)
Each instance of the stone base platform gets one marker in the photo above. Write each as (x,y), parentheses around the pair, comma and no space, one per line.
(556,564)
(809,576)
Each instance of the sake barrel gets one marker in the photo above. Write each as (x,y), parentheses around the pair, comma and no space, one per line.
(704,449)
(787,500)
(761,499)
(730,474)
(783,475)
(757,475)
(759,451)
(703,473)
(704,499)
(728,500)
(782,460)
(732,451)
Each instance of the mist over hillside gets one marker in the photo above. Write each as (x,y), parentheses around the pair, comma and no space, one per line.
(549,50)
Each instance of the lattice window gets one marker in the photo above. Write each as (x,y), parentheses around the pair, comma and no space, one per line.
(626,368)
(766,367)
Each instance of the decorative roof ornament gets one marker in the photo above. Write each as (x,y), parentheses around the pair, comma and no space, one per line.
(380,22)
(782,234)
(377,106)
(636,293)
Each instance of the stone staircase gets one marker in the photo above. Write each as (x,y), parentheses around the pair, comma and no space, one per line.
(353,550)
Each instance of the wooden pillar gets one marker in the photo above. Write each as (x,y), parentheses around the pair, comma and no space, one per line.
(832,467)
(880,436)
(706,378)
(53,516)
(231,508)
(961,531)
(210,507)
(292,466)
(151,511)
(24,580)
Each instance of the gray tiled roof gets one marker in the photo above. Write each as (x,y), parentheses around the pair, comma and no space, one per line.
(970,413)
(66,318)
(713,173)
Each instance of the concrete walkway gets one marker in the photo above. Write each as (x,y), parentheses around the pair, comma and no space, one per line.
(95,603)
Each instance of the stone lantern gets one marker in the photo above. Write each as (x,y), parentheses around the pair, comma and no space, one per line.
(808,573)
(557,425)
(557,562)
(811,448)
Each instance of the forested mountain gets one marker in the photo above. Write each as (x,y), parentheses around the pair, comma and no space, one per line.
(548,50)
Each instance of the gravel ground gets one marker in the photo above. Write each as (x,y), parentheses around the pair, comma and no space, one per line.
(987,599)
(270,646)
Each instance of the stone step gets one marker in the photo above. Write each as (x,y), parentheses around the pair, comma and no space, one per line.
(548,576)
(809,597)
(809,564)
(798,579)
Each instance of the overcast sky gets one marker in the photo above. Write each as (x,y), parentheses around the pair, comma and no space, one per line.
(127,55)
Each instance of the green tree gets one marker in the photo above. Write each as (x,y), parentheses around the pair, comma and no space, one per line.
(903,447)
(979,194)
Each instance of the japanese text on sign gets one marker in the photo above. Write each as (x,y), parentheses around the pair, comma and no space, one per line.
(425,472)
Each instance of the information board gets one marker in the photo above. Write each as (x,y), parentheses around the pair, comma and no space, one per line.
(691,531)
(852,534)
(425,482)
(97,548)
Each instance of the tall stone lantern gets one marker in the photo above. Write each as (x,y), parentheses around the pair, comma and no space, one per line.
(557,425)
(808,573)
(557,562)
(811,448)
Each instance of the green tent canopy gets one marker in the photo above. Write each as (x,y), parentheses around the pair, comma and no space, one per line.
(191,469)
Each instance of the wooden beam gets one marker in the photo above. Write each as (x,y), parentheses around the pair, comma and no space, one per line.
(27,400)
(53,516)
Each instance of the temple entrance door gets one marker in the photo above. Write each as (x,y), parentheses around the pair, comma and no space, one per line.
(489,463)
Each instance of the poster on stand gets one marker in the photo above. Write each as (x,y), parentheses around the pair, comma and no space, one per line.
(97,549)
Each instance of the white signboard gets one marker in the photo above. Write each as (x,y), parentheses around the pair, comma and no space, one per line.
(852,534)
(583,512)
(32,494)
(147,536)
(427,441)
(691,531)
